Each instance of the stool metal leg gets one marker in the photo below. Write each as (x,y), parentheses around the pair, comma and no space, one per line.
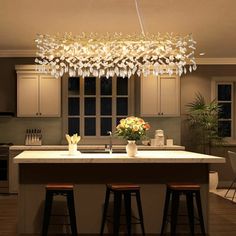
(190,207)
(117,210)
(165,212)
(71,208)
(47,212)
(127,198)
(140,211)
(200,215)
(230,187)
(105,208)
(174,212)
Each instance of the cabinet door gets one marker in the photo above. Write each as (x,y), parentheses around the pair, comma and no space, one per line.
(149,96)
(169,96)
(49,96)
(27,95)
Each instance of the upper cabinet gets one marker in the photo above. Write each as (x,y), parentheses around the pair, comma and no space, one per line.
(38,95)
(160,96)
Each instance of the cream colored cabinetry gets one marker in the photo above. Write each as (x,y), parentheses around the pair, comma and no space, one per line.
(38,95)
(160,96)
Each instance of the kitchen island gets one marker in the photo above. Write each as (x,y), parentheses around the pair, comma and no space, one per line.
(91,171)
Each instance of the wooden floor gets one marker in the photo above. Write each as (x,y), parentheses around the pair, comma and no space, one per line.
(222,216)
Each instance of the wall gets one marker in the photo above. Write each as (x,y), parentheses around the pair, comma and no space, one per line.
(12,129)
(200,81)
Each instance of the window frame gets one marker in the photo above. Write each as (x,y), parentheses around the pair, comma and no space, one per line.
(214,95)
(98,138)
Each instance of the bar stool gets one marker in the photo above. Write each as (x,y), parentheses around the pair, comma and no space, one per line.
(125,190)
(64,190)
(173,192)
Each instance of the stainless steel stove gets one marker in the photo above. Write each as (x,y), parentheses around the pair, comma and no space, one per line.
(4,167)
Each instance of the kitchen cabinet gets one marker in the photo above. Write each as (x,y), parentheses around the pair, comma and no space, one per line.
(160,96)
(38,95)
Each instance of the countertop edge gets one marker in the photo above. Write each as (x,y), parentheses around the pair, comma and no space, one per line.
(92,147)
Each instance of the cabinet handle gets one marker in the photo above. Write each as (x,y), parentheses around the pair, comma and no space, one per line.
(37,113)
(162,113)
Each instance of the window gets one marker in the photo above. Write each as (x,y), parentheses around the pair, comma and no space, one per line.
(96,105)
(224,99)
(224,91)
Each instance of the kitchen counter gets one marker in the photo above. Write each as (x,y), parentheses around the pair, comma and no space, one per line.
(141,157)
(93,147)
(91,171)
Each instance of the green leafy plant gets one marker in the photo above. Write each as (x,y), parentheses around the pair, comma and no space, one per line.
(203,120)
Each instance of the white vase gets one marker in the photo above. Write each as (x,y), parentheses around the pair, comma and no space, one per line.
(131,148)
(72,149)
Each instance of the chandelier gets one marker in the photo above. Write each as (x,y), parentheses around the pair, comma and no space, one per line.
(115,54)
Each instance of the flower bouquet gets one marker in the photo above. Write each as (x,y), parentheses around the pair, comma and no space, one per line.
(132,129)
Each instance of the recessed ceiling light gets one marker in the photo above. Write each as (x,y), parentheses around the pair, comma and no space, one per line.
(202,53)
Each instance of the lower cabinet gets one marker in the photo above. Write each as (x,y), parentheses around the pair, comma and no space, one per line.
(13,172)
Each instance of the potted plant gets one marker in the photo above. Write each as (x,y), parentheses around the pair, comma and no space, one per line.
(203,121)
(132,129)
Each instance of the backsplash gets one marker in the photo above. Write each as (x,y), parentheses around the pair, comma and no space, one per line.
(13,129)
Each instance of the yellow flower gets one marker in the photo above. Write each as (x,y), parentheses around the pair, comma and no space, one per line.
(135,128)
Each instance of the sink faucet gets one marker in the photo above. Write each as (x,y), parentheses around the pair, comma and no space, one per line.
(110,142)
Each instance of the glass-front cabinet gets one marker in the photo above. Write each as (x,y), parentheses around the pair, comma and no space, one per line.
(96,105)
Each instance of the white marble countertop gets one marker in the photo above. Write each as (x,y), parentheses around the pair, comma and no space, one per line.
(93,147)
(141,157)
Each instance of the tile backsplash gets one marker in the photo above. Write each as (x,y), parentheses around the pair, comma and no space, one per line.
(13,129)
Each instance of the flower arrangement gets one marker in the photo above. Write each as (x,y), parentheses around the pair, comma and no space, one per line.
(132,128)
(74,139)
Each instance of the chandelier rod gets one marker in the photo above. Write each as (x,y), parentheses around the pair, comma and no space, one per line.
(139,18)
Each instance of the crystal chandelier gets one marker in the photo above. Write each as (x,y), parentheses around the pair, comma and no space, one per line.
(115,54)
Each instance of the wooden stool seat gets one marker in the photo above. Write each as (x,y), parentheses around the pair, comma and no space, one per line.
(59,186)
(126,191)
(65,190)
(123,187)
(173,192)
(183,186)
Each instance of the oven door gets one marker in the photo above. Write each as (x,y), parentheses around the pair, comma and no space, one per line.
(4,183)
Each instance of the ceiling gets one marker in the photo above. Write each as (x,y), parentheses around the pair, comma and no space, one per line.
(212,22)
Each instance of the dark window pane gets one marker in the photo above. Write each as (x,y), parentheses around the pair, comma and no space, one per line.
(89,85)
(73,126)
(122,86)
(224,92)
(73,106)
(106,125)
(224,128)
(118,120)
(90,126)
(106,106)
(90,106)
(73,85)
(225,110)
(106,86)
(122,106)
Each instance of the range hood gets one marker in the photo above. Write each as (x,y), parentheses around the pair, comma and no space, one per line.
(7,113)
